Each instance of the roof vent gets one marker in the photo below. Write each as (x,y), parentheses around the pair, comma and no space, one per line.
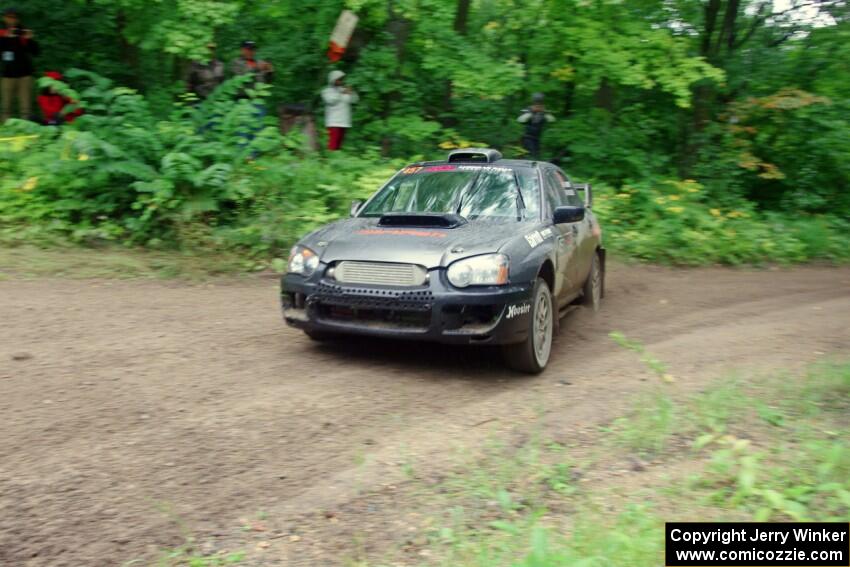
(474,155)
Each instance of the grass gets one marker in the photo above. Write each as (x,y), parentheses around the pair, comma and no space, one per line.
(773,449)
(185,557)
(118,263)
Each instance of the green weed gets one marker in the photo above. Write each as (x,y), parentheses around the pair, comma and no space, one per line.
(794,464)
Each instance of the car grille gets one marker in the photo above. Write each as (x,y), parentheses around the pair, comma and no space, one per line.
(380,273)
(365,298)
(373,308)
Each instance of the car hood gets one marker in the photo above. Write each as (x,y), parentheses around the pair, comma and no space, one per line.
(362,239)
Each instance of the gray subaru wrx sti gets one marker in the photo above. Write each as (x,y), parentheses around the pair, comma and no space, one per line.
(475,250)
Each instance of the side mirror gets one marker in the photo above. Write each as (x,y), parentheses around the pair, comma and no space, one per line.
(588,194)
(355,207)
(568,214)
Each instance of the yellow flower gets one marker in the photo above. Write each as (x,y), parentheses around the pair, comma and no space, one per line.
(674,197)
(676,210)
(30,184)
(83,157)
(714,212)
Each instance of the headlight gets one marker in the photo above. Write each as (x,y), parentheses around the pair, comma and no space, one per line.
(302,261)
(490,269)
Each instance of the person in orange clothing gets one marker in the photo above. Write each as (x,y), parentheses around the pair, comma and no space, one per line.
(52,104)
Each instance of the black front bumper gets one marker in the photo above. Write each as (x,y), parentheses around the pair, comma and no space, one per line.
(434,312)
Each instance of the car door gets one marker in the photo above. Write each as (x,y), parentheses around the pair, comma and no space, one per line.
(583,231)
(564,238)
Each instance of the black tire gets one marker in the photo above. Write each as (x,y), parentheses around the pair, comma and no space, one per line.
(532,355)
(593,286)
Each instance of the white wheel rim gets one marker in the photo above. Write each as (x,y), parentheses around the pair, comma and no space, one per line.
(542,328)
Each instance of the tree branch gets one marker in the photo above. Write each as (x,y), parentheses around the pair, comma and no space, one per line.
(758,20)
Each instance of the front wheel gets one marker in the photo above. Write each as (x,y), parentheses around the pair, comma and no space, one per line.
(532,355)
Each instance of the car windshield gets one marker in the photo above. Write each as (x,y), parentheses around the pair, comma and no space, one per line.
(471,191)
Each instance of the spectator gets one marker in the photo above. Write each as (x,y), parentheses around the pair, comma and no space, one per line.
(17,48)
(262,72)
(338,99)
(52,104)
(248,64)
(534,118)
(205,77)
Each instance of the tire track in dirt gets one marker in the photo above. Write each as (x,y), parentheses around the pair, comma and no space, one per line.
(146,401)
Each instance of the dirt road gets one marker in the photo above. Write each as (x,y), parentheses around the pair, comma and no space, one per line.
(136,412)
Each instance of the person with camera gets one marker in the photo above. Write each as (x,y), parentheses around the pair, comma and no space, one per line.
(534,118)
(338,98)
(17,48)
(248,64)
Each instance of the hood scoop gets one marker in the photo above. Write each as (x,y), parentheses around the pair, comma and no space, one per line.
(422,220)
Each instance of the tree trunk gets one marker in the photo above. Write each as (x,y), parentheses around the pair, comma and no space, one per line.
(727,33)
(129,53)
(460,27)
(399,28)
(604,96)
(461,16)
(712,9)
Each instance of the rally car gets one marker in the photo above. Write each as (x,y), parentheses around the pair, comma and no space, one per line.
(475,249)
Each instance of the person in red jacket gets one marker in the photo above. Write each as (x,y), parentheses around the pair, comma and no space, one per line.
(52,104)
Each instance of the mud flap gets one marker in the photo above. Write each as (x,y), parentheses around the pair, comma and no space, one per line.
(603,269)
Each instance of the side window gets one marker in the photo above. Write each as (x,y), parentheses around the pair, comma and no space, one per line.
(554,192)
(570,196)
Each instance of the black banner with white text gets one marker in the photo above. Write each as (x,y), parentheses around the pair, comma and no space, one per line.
(757,544)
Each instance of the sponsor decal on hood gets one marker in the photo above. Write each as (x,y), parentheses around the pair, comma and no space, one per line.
(402,232)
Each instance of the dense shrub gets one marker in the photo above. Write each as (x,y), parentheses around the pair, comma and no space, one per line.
(676,222)
(212,173)
(216,176)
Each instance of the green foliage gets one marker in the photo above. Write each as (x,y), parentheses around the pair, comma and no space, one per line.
(185,557)
(803,477)
(210,175)
(724,147)
(678,222)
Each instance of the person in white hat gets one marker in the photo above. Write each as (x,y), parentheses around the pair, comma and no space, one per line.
(338,99)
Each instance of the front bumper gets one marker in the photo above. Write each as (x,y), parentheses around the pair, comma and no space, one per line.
(433,312)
